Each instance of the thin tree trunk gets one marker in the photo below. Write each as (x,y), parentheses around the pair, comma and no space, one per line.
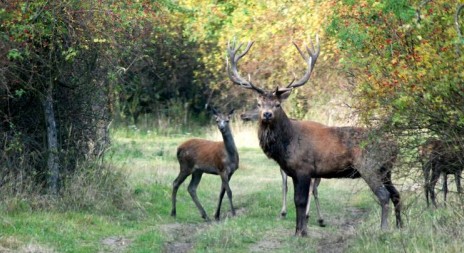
(52,141)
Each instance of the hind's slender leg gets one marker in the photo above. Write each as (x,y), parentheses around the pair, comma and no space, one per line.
(192,189)
(457,177)
(312,187)
(283,211)
(320,220)
(445,187)
(433,182)
(175,186)
(426,168)
(221,196)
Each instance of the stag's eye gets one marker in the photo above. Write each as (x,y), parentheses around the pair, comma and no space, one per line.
(277,105)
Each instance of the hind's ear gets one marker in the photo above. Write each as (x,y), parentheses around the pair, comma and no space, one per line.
(214,111)
(231,112)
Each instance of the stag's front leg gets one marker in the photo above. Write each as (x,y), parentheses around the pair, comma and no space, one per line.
(301,187)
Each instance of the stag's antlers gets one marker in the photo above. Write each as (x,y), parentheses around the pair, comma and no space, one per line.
(232,70)
(311,61)
(235,77)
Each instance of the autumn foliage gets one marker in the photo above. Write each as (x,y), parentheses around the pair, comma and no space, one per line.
(396,63)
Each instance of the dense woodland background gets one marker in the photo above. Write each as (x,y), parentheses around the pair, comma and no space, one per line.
(72,70)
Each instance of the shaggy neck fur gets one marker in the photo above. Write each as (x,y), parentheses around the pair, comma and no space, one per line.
(275,137)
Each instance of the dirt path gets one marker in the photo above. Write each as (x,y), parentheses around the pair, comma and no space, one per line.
(180,238)
(329,241)
(345,225)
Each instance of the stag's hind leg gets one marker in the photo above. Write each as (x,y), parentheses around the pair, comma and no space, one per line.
(395,198)
(375,182)
(192,189)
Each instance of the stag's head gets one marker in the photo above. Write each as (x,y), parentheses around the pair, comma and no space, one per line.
(269,102)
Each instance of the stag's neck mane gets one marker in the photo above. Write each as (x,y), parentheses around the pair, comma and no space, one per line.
(275,137)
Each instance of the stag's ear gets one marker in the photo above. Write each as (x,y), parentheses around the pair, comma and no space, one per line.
(231,112)
(282,93)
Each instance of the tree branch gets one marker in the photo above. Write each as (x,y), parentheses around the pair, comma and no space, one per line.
(458,28)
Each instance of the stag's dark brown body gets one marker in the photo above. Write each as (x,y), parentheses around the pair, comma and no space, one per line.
(306,150)
(297,145)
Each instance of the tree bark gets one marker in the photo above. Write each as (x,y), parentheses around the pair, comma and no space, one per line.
(52,142)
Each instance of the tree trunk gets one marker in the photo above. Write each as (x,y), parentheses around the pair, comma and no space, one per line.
(52,141)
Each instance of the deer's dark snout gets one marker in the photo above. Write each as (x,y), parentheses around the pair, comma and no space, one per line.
(267,116)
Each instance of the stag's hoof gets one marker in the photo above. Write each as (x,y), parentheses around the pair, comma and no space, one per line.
(321,223)
(302,233)
(173,213)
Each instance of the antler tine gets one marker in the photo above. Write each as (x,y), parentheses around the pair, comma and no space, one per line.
(232,71)
(299,50)
(311,59)
(316,51)
(291,82)
(250,43)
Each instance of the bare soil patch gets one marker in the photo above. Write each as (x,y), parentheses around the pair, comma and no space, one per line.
(332,239)
(116,243)
(181,237)
(338,241)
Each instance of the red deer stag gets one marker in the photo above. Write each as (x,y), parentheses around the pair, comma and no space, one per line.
(438,159)
(253,115)
(198,156)
(306,149)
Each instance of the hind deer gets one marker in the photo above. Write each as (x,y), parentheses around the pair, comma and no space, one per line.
(307,149)
(438,159)
(198,156)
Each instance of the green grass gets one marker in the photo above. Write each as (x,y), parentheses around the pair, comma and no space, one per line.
(147,162)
